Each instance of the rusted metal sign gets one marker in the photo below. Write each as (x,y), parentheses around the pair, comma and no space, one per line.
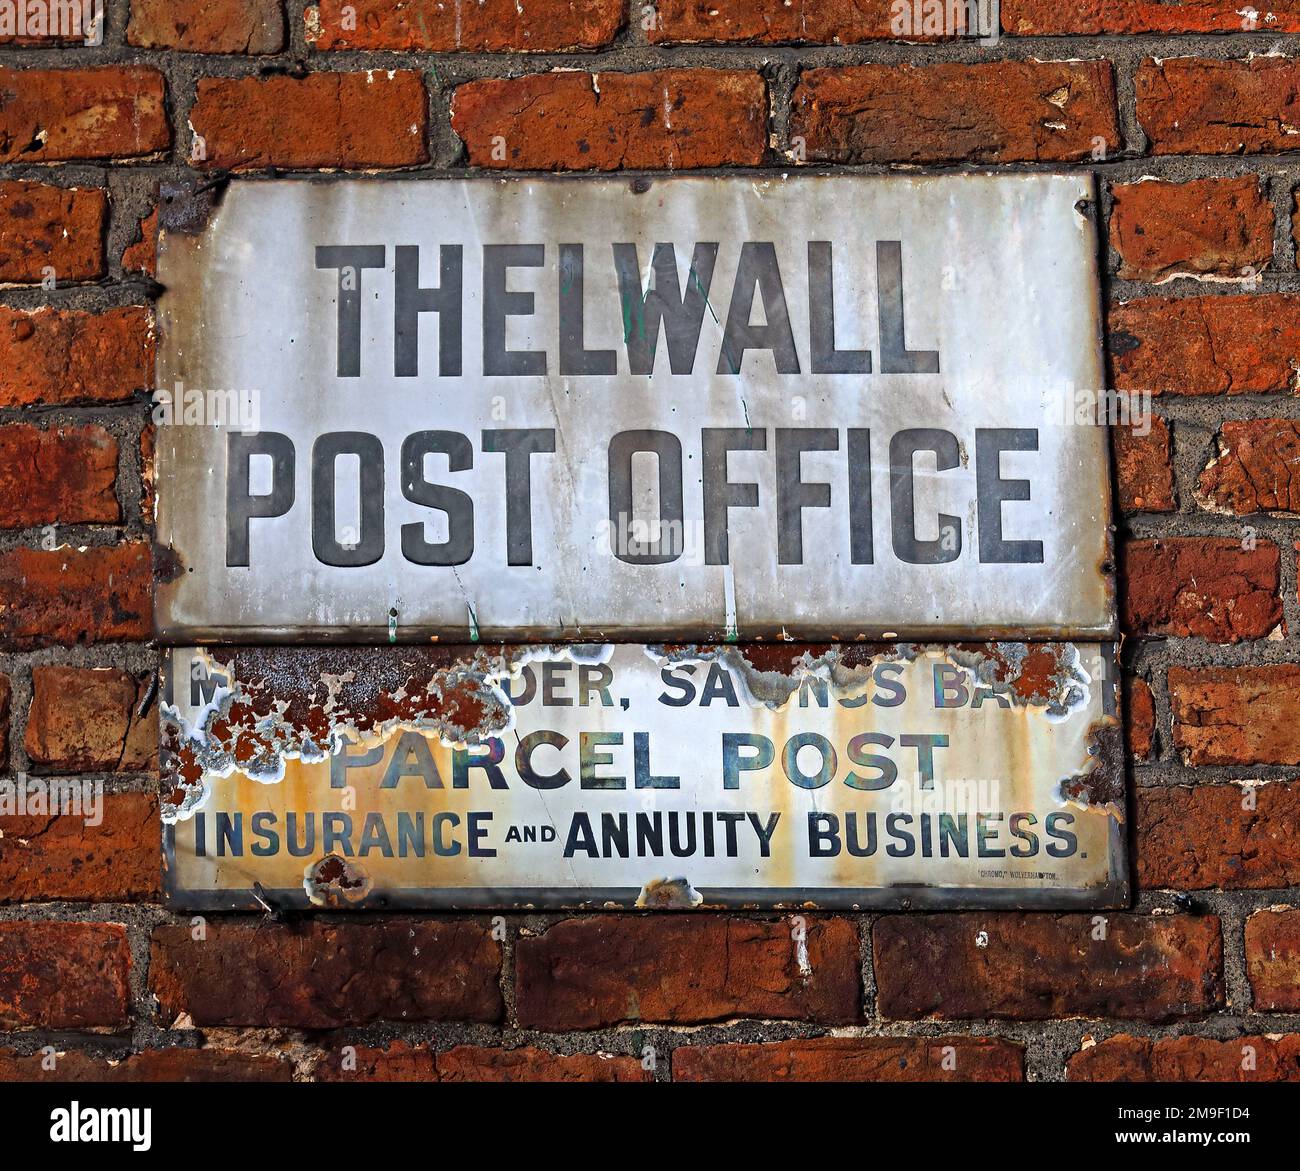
(577,410)
(631,776)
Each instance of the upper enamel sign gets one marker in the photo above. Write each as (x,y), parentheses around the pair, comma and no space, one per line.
(572,409)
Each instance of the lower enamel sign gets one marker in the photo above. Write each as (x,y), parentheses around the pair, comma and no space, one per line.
(631,776)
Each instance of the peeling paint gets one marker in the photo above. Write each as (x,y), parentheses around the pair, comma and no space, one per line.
(585,768)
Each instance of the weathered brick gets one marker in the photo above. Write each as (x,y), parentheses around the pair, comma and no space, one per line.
(683,969)
(1140,725)
(142,256)
(346,120)
(149,1065)
(6,697)
(478,1063)
(485,26)
(776,22)
(44,857)
(1196,837)
(56,228)
(1203,587)
(1220,227)
(1086,18)
(67,356)
(86,720)
(100,594)
(399,1062)
(52,115)
(854,1059)
(207,26)
(1144,469)
(323,975)
(1192,105)
(1237,715)
(1253,470)
(1206,345)
(63,975)
(1000,111)
(63,475)
(674,118)
(1035,967)
(1188,1059)
(1273,960)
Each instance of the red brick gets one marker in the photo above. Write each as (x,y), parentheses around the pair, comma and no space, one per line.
(207,26)
(673,118)
(6,695)
(1191,105)
(52,115)
(776,22)
(1273,960)
(44,857)
(316,975)
(685,969)
(399,1062)
(63,475)
(345,120)
(1188,1059)
(1140,725)
(484,26)
(43,226)
(1086,18)
(475,1063)
(1197,837)
(854,1059)
(1252,470)
(150,1065)
(1202,587)
(997,111)
(63,975)
(85,720)
(71,596)
(1036,967)
(142,256)
(1144,470)
(1206,345)
(1237,715)
(65,356)
(1219,227)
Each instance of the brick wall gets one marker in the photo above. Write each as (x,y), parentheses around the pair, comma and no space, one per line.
(1192,124)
